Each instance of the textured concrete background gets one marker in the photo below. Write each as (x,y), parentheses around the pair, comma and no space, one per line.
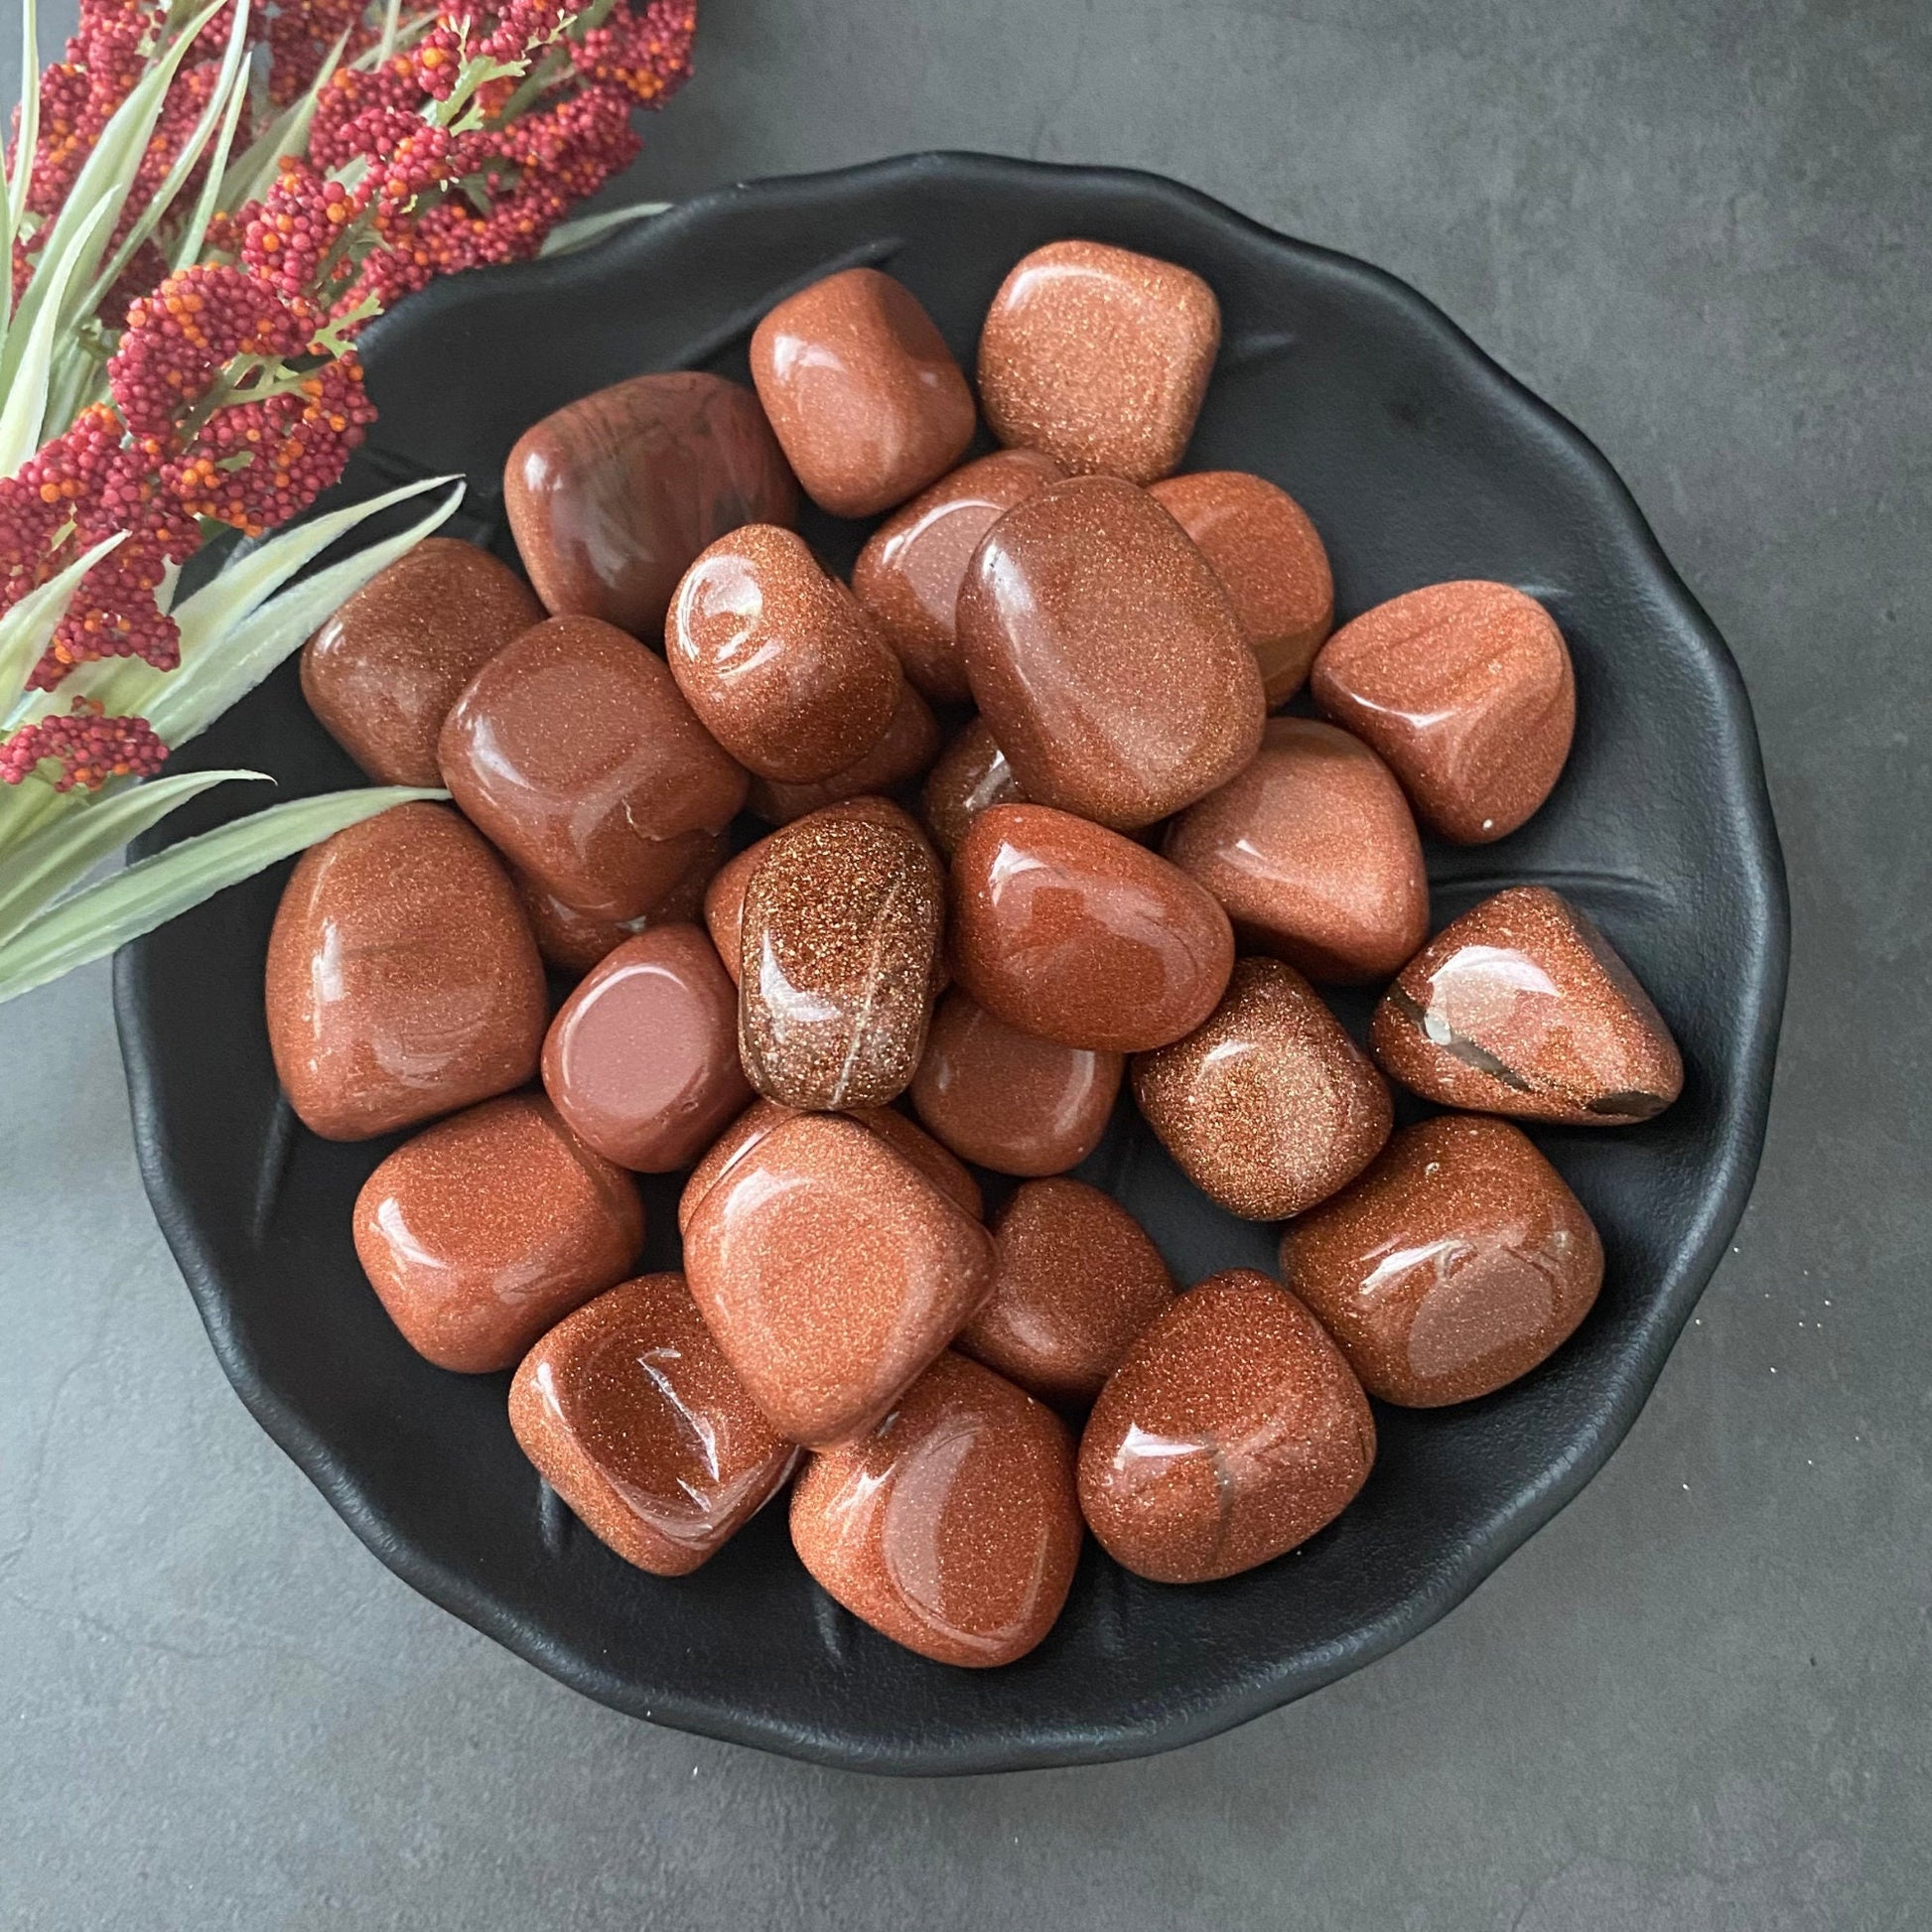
(1699,1700)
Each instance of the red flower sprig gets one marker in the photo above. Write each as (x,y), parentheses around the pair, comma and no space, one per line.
(234,394)
(181,339)
(85,485)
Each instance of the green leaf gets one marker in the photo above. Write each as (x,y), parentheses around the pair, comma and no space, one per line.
(154,891)
(14,184)
(26,806)
(569,237)
(26,628)
(239,587)
(33,354)
(29,121)
(187,247)
(231,82)
(56,858)
(189,699)
(235,593)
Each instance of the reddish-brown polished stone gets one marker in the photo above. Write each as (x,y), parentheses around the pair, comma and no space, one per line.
(642,1058)
(1313,853)
(972,774)
(402,979)
(1010,1101)
(382,673)
(1233,1429)
(952,1528)
(1466,689)
(892,1127)
(490,1226)
(905,750)
(909,572)
(1104,656)
(786,671)
(724,898)
(611,496)
(569,940)
(1071,932)
(1522,1007)
(723,1154)
(1455,1264)
(1099,357)
(832,1272)
(574,941)
(862,390)
(634,1418)
(1074,1281)
(1269,1106)
(1271,562)
(575,754)
(839,942)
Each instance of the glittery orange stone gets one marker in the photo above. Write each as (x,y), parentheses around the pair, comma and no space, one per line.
(1467,690)
(1313,853)
(832,1272)
(1457,1263)
(383,671)
(485,1228)
(862,390)
(433,994)
(1233,1431)
(1268,1105)
(838,944)
(1105,657)
(632,1415)
(952,1527)
(785,669)
(1075,1280)
(1522,1007)
(1100,356)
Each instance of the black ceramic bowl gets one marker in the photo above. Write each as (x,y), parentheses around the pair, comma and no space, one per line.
(1419,460)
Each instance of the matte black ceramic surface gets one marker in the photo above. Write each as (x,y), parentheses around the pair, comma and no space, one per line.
(1418,461)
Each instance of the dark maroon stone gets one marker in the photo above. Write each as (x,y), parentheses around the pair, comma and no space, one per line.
(611,496)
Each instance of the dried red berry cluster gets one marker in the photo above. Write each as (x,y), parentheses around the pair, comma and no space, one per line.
(88,485)
(489,194)
(281,429)
(89,746)
(233,399)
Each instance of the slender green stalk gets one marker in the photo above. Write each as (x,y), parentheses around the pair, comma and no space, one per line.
(248,177)
(569,237)
(29,123)
(94,921)
(230,85)
(22,416)
(59,856)
(188,246)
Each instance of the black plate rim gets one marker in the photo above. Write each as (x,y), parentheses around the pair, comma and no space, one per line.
(1734,1160)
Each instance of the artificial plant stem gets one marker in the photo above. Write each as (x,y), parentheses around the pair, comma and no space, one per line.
(231,82)
(187,244)
(30,124)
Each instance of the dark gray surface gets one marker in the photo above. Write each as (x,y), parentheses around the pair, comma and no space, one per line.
(1699,1699)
